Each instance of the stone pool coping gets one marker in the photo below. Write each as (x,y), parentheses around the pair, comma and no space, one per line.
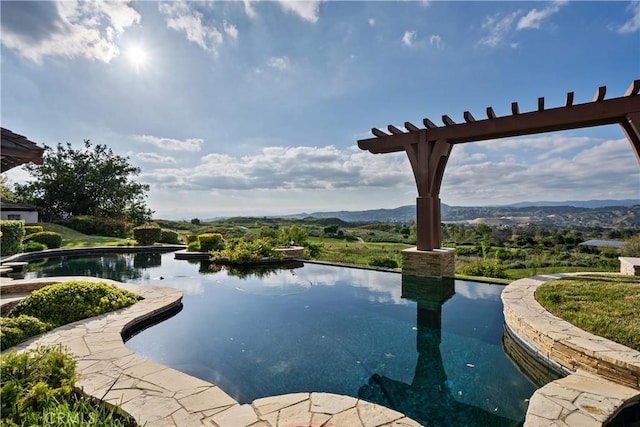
(603,376)
(156,395)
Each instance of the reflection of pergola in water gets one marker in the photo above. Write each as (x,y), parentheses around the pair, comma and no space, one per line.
(429,148)
(428,396)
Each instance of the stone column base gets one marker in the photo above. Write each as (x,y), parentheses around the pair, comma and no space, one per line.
(435,263)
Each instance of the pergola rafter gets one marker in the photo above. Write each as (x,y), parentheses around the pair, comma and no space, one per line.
(429,148)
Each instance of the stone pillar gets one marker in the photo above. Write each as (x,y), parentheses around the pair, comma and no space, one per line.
(436,263)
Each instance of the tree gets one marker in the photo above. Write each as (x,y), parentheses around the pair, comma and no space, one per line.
(91,180)
(5,190)
(631,247)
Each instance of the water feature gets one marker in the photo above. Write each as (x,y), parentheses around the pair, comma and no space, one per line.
(430,349)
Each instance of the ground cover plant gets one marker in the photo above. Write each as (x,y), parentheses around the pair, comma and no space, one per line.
(58,304)
(37,389)
(605,305)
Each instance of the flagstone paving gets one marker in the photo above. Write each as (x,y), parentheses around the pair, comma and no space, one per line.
(603,376)
(156,395)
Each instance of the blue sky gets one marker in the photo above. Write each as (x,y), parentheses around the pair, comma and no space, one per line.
(255,108)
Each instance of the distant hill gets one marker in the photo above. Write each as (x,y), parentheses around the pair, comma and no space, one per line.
(591,204)
(603,213)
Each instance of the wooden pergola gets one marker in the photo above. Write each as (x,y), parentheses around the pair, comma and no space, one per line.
(17,150)
(429,148)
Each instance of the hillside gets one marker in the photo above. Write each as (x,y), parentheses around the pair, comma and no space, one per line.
(621,216)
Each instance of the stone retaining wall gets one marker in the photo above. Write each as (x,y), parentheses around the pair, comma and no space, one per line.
(629,266)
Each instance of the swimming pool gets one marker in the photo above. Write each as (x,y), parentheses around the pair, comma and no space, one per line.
(430,349)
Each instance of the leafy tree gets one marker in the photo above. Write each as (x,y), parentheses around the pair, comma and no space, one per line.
(91,180)
(6,193)
(631,247)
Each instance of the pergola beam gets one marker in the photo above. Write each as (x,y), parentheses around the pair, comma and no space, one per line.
(596,113)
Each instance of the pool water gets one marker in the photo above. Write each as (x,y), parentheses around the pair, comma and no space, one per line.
(430,349)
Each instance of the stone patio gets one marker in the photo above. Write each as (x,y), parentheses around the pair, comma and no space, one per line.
(156,395)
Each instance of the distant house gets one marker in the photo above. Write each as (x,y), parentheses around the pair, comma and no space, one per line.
(616,244)
(17,211)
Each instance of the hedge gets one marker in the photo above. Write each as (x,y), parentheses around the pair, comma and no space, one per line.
(211,242)
(101,226)
(169,236)
(147,235)
(52,239)
(30,229)
(11,238)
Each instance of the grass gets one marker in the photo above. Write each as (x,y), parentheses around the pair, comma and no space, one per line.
(605,305)
(354,252)
(75,239)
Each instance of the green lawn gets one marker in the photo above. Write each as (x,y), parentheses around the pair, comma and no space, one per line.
(605,305)
(75,239)
(359,253)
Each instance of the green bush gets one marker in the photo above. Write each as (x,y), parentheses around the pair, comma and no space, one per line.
(30,229)
(485,269)
(17,329)
(292,235)
(147,235)
(241,251)
(169,236)
(33,379)
(382,261)
(190,238)
(37,389)
(12,233)
(33,247)
(101,226)
(211,242)
(51,239)
(193,247)
(67,302)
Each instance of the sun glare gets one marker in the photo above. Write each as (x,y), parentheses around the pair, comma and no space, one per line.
(138,56)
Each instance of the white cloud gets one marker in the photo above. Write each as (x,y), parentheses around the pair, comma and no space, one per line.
(170,144)
(182,17)
(248,9)
(279,63)
(633,24)
(498,28)
(156,158)
(290,168)
(595,169)
(372,22)
(69,29)
(534,17)
(409,37)
(230,30)
(309,10)
(436,40)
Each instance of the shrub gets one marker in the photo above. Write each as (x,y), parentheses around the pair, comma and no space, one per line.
(17,329)
(67,302)
(102,226)
(241,251)
(33,379)
(147,235)
(169,236)
(190,238)
(382,261)
(485,269)
(49,238)
(30,229)
(11,239)
(33,247)
(294,234)
(211,242)
(193,247)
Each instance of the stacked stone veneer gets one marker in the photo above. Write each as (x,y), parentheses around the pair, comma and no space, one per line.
(562,343)
(629,266)
(436,263)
